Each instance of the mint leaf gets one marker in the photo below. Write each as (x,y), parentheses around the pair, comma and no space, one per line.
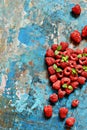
(64,86)
(79,56)
(84,54)
(64,58)
(74,71)
(70,87)
(59,48)
(55,66)
(58,70)
(84,68)
(56,52)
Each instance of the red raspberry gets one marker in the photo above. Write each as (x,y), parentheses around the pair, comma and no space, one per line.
(82,60)
(68,91)
(61,93)
(50,61)
(85,50)
(79,69)
(59,74)
(54,47)
(66,53)
(75,103)
(67,71)
(78,51)
(70,121)
(70,50)
(74,77)
(56,85)
(84,74)
(64,64)
(84,32)
(75,36)
(54,98)
(63,112)
(72,63)
(74,57)
(59,56)
(64,45)
(58,62)
(75,84)
(48,111)
(53,78)
(65,80)
(51,70)
(81,79)
(49,53)
(76,9)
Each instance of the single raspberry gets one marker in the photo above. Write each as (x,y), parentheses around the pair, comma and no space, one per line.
(49,53)
(67,71)
(84,32)
(75,103)
(76,9)
(66,53)
(59,55)
(51,70)
(72,63)
(76,36)
(64,45)
(74,77)
(48,111)
(84,74)
(64,64)
(81,79)
(54,47)
(65,80)
(78,51)
(74,57)
(85,50)
(53,78)
(54,98)
(70,121)
(61,93)
(82,60)
(58,62)
(69,50)
(75,84)
(79,69)
(63,112)
(50,61)
(56,85)
(59,74)
(68,91)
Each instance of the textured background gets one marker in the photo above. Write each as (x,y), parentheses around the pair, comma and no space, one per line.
(27,29)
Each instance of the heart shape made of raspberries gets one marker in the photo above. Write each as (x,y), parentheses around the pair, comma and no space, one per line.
(67,68)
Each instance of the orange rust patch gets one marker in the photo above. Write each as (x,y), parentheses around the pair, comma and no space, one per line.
(31,63)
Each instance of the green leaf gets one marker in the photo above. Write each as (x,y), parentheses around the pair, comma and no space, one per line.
(79,56)
(64,58)
(56,52)
(58,70)
(84,54)
(55,66)
(70,87)
(74,71)
(85,68)
(64,86)
(59,48)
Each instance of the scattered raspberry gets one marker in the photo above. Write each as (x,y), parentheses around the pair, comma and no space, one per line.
(50,61)
(72,63)
(54,98)
(75,84)
(84,32)
(64,64)
(82,60)
(84,74)
(63,112)
(74,77)
(85,50)
(51,70)
(49,53)
(64,45)
(78,51)
(54,47)
(79,69)
(67,71)
(74,57)
(81,79)
(53,78)
(58,62)
(59,74)
(56,85)
(70,121)
(65,80)
(75,103)
(76,9)
(61,93)
(69,50)
(48,111)
(68,91)
(76,36)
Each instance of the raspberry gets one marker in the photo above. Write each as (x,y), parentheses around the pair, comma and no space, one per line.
(78,51)
(49,53)
(79,69)
(51,70)
(85,50)
(74,77)
(59,55)
(81,79)
(56,85)
(63,112)
(59,74)
(75,36)
(48,111)
(64,64)
(54,47)
(84,74)
(75,103)
(54,98)
(58,62)
(65,80)
(76,9)
(64,45)
(68,91)
(61,93)
(84,32)
(67,71)
(72,63)
(75,84)
(70,121)
(53,78)
(66,53)
(74,57)
(82,60)
(50,61)
(70,50)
